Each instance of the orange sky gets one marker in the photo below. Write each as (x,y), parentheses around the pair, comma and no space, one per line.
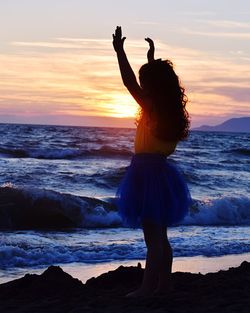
(76,81)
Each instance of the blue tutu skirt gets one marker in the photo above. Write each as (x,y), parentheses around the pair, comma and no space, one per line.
(152,190)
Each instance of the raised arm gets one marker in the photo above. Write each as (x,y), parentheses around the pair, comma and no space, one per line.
(128,76)
(151,50)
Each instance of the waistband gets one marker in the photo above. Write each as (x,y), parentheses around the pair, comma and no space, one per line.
(149,157)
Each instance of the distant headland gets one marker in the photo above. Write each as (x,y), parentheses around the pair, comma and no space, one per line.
(241,124)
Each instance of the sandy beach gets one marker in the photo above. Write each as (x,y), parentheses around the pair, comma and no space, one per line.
(56,291)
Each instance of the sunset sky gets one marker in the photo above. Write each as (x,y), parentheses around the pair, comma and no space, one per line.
(58,65)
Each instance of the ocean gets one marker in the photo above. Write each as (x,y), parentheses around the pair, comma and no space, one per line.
(57,188)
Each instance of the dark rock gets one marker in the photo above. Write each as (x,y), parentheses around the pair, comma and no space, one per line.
(56,291)
(123,276)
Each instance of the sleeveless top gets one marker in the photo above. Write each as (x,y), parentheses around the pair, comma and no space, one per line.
(145,142)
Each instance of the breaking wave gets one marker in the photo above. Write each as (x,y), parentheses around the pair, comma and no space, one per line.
(33,208)
(64,153)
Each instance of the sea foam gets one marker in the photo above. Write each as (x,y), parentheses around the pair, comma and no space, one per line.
(220,211)
(32,208)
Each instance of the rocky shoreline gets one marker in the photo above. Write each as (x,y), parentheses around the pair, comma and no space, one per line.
(56,291)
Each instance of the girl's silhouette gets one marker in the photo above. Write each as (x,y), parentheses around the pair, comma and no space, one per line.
(153,194)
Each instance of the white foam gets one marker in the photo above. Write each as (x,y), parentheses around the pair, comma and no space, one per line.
(99,217)
(82,212)
(89,213)
(221,211)
(54,153)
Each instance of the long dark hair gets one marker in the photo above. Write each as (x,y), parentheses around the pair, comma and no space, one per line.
(168,117)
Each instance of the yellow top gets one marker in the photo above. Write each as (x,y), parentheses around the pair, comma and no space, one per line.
(145,142)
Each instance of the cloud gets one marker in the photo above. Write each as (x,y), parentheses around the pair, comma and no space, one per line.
(198,13)
(226,24)
(80,77)
(42,44)
(146,23)
(57,119)
(240,94)
(234,35)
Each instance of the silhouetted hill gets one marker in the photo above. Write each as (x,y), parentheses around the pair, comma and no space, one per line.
(241,124)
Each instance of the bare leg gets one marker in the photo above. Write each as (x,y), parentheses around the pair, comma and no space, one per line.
(165,269)
(157,252)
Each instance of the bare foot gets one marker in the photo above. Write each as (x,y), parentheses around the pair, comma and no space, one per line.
(164,291)
(139,293)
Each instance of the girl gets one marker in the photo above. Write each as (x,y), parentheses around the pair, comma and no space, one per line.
(153,194)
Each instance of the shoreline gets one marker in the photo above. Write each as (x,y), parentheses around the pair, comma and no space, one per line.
(194,265)
(85,271)
(56,291)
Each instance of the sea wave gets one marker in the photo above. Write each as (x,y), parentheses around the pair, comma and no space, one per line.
(30,255)
(33,208)
(220,211)
(35,248)
(239,151)
(63,153)
(108,179)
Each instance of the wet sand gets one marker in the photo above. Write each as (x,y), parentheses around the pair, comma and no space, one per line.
(84,271)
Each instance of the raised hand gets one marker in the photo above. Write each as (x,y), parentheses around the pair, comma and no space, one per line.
(118,40)
(151,50)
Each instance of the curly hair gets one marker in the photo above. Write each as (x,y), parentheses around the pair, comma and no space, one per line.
(168,117)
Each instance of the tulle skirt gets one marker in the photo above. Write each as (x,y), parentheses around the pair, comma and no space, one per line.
(154,190)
